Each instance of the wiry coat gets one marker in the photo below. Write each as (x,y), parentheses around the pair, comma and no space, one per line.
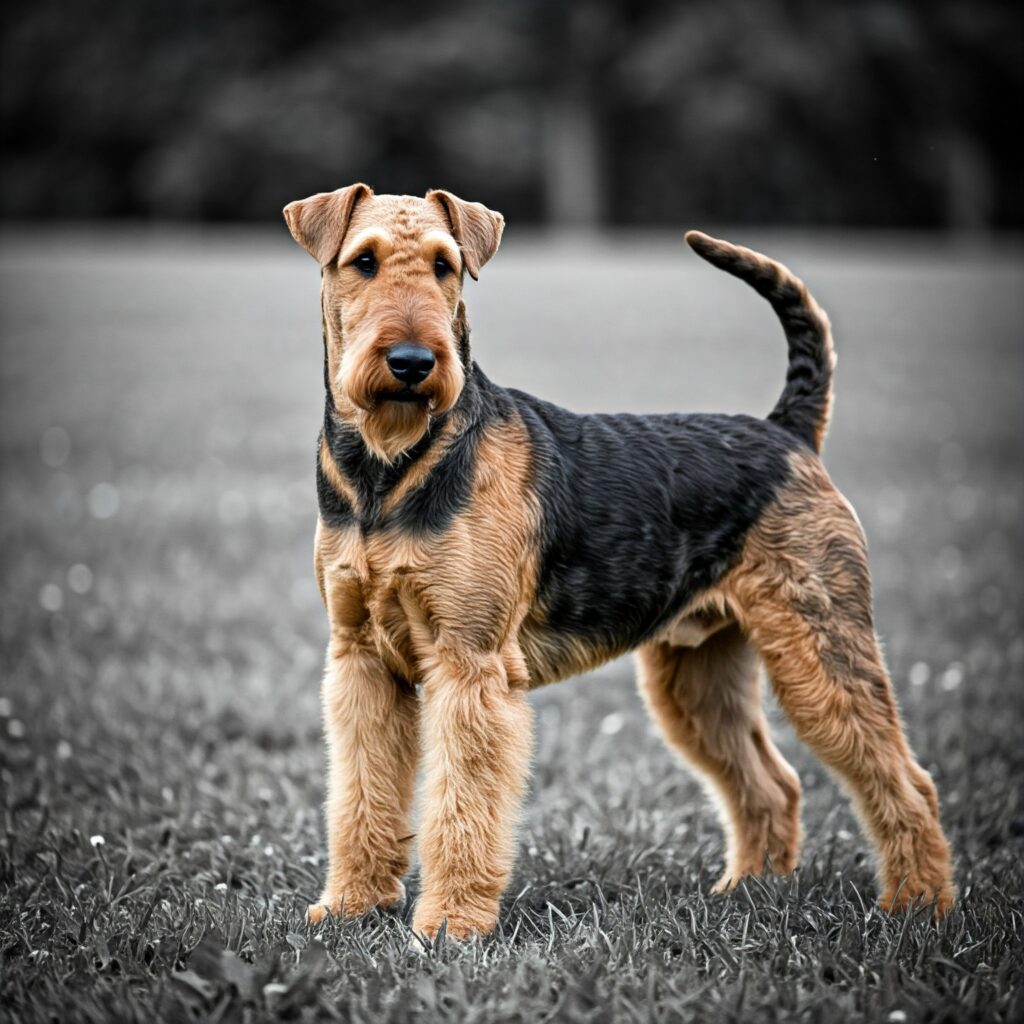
(480,541)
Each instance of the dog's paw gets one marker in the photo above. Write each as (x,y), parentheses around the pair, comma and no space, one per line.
(736,872)
(725,884)
(781,863)
(354,901)
(914,892)
(461,923)
(917,871)
(316,912)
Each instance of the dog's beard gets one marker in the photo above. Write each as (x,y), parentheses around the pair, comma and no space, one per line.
(391,428)
(390,424)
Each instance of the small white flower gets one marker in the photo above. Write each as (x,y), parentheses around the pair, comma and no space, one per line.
(952,677)
(97,841)
(920,673)
(898,1016)
(221,887)
(104,500)
(612,724)
(51,597)
(80,578)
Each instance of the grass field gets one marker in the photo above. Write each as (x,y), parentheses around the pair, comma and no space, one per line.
(162,639)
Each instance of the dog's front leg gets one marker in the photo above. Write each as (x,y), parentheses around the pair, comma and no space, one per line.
(370,719)
(476,730)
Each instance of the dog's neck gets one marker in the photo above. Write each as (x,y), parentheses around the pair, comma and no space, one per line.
(373,478)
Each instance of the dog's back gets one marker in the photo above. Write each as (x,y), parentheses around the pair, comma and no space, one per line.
(640,514)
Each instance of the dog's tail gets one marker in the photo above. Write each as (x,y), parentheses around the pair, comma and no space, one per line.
(805,404)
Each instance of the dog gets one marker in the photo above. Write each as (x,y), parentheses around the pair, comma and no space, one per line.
(474,542)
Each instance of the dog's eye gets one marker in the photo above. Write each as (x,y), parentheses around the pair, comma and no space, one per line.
(365,263)
(442,268)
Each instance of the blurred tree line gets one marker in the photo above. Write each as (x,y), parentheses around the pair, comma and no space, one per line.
(601,111)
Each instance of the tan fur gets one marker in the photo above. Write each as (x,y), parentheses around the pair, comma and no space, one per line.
(370,719)
(364,317)
(319,223)
(478,229)
(813,311)
(801,593)
(476,729)
(370,584)
(445,612)
(460,614)
(707,702)
(335,477)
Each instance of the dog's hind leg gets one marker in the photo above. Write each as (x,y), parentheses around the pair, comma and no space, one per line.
(706,700)
(802,592)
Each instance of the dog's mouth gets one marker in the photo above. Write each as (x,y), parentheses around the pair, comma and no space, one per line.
(405,395)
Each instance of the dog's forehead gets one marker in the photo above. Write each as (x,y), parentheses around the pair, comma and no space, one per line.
(405,218)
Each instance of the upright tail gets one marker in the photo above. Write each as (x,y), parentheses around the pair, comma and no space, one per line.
(805,404)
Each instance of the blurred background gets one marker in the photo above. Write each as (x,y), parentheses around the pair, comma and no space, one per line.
(161,634)
(888,113)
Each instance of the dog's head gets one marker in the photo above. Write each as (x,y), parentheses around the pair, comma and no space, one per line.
(393,269)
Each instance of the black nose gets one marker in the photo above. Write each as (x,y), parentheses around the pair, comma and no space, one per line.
(409,362)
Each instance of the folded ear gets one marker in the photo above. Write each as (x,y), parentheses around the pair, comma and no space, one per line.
(476,229)
(319,223)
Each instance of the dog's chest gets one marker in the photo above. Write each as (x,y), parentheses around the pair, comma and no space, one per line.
(368,584)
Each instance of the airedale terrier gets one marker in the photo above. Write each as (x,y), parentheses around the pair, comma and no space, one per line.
(477,541)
